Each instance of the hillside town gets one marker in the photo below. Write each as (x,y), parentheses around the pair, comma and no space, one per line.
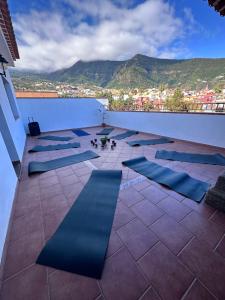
(138,99)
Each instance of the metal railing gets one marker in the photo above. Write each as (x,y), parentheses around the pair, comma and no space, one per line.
(202,107)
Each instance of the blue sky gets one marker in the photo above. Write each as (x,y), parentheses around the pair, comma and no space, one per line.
(56,34)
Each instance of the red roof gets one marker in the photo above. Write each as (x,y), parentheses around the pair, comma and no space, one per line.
(7,28)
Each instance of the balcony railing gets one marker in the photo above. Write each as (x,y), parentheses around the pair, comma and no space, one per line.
(202,107)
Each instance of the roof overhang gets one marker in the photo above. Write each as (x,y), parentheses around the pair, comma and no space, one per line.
(8,45)
(219,6)
(5,51)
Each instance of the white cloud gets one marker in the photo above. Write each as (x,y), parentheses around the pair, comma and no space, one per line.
(47,40)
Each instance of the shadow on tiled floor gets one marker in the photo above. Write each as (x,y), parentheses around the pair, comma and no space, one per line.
(162,245)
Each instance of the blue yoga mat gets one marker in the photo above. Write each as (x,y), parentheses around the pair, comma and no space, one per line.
(162,140)
(40,167)
(211,159)
(55,138)
(181,183)
(40,148)
(105,131)
(80,243)
(124,135)
(80,132)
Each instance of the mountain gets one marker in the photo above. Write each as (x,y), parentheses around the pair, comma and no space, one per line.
(144,71)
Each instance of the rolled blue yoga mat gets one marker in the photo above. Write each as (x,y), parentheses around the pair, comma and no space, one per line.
(162,140)
(40,148)
(40,167)
(181,183)
(124,135)
(80,243)
(55,138)
(80,132)
(211,159)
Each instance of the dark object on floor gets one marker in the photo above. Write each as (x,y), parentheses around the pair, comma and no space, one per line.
(80,132)
(105,131)
(95,140)
(34,128)
(162,140)
(211,159)
(179,182)
(216,196)
(92,142)
(80,243)
(124,135)
(40,167)
(55,138)
(40,148)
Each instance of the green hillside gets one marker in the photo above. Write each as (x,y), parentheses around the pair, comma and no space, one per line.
(144,71)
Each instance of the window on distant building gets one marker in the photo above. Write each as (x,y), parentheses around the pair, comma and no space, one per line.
(11,98)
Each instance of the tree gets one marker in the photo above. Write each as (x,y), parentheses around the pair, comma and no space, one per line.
(176,102)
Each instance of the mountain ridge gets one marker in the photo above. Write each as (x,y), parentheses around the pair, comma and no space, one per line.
(142,71)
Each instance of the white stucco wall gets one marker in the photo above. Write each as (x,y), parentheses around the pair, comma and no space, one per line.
(15,127)
(60,114)
(12,141)
(7,190)
(201,128)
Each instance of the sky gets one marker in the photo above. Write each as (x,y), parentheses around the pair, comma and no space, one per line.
(55,34)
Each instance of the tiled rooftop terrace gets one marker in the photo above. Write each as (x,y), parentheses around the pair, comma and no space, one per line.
(162,245)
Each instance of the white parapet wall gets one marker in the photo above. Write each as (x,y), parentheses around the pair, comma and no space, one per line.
(7,190)
(60,113)
(195,127)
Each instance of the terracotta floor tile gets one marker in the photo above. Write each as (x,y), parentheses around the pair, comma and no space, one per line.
(53,219)
(63,172)
(122,215)
(26,206)
(55,202)
(198,292)
(43,200)
(221,247)
(147,212)
(165,272)
(142,185)
(153,194)
(130,196)
(137,237)
(29,284)
(172,234)
(27,224)
(150,294)
(202,208)
(219,218)
(121,278)
(115,243)
(22,253)
(67,180)
(48,181)
(207,265)
(72,191)
(51,191)
(174,208)
(203,228)
(66,286)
